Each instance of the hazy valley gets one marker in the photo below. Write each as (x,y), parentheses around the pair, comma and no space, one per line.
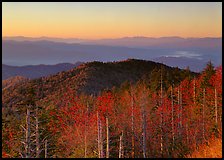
(190,51)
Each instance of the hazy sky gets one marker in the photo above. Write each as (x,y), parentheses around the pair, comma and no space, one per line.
(111,20)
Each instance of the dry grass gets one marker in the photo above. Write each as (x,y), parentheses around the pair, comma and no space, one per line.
(213,149)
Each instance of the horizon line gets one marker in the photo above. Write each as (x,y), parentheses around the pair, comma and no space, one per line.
(134,36)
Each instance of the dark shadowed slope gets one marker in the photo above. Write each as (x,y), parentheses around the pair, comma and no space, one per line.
(35,71)
(89,78)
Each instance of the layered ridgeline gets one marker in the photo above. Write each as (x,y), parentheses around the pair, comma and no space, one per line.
(35,71)
(92,78)
(169,50)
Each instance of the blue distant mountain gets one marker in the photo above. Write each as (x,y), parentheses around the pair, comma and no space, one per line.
(44,50)
(138,42)
(35,71)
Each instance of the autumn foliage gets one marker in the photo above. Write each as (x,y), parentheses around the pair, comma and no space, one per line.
(172,121)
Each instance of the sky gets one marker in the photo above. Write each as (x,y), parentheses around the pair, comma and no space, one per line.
(97,20)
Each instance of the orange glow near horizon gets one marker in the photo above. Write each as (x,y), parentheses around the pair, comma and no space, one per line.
(112,20)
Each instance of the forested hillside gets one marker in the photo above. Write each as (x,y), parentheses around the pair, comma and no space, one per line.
(13,81)
(92,78)
(125,109)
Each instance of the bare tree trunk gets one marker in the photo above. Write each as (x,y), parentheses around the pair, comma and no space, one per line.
(180,130)
(144,134)
(85,138)
(123,142)
(194,99)
(45,149)
(181,112)
(27,147)
(143,112)
(203,115)
(173,136)
(37,135)
(161,136)
(121,146)
(161,116)
(132,124)
(98,126)
(107,152)
(85,147)
(100,142)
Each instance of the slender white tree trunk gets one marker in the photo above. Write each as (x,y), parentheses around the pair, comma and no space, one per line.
(27,146)
(144,134)
(132,124)
(45,155)
(107,152)
(161,117)
(194,99)
(172,120)
(85,137)
(203,115)
(99,135)
(101,141)
(121,145)
(179,112)
(37,135)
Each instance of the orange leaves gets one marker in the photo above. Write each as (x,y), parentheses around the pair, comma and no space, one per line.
(105,104)
(176,118)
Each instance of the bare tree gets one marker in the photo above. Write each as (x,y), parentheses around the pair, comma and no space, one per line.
(27,143)
(121,146)
(203,115)
(143,123)
(85,138)
(45,155)
(37,136)
(100,143)
(144,133)
(132,124)
(161,115)
(172,118)
(107,151)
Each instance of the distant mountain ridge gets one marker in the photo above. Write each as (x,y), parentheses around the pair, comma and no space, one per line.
(22,38)
(138,41)
(35,71)
(22,53)
(164,42)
